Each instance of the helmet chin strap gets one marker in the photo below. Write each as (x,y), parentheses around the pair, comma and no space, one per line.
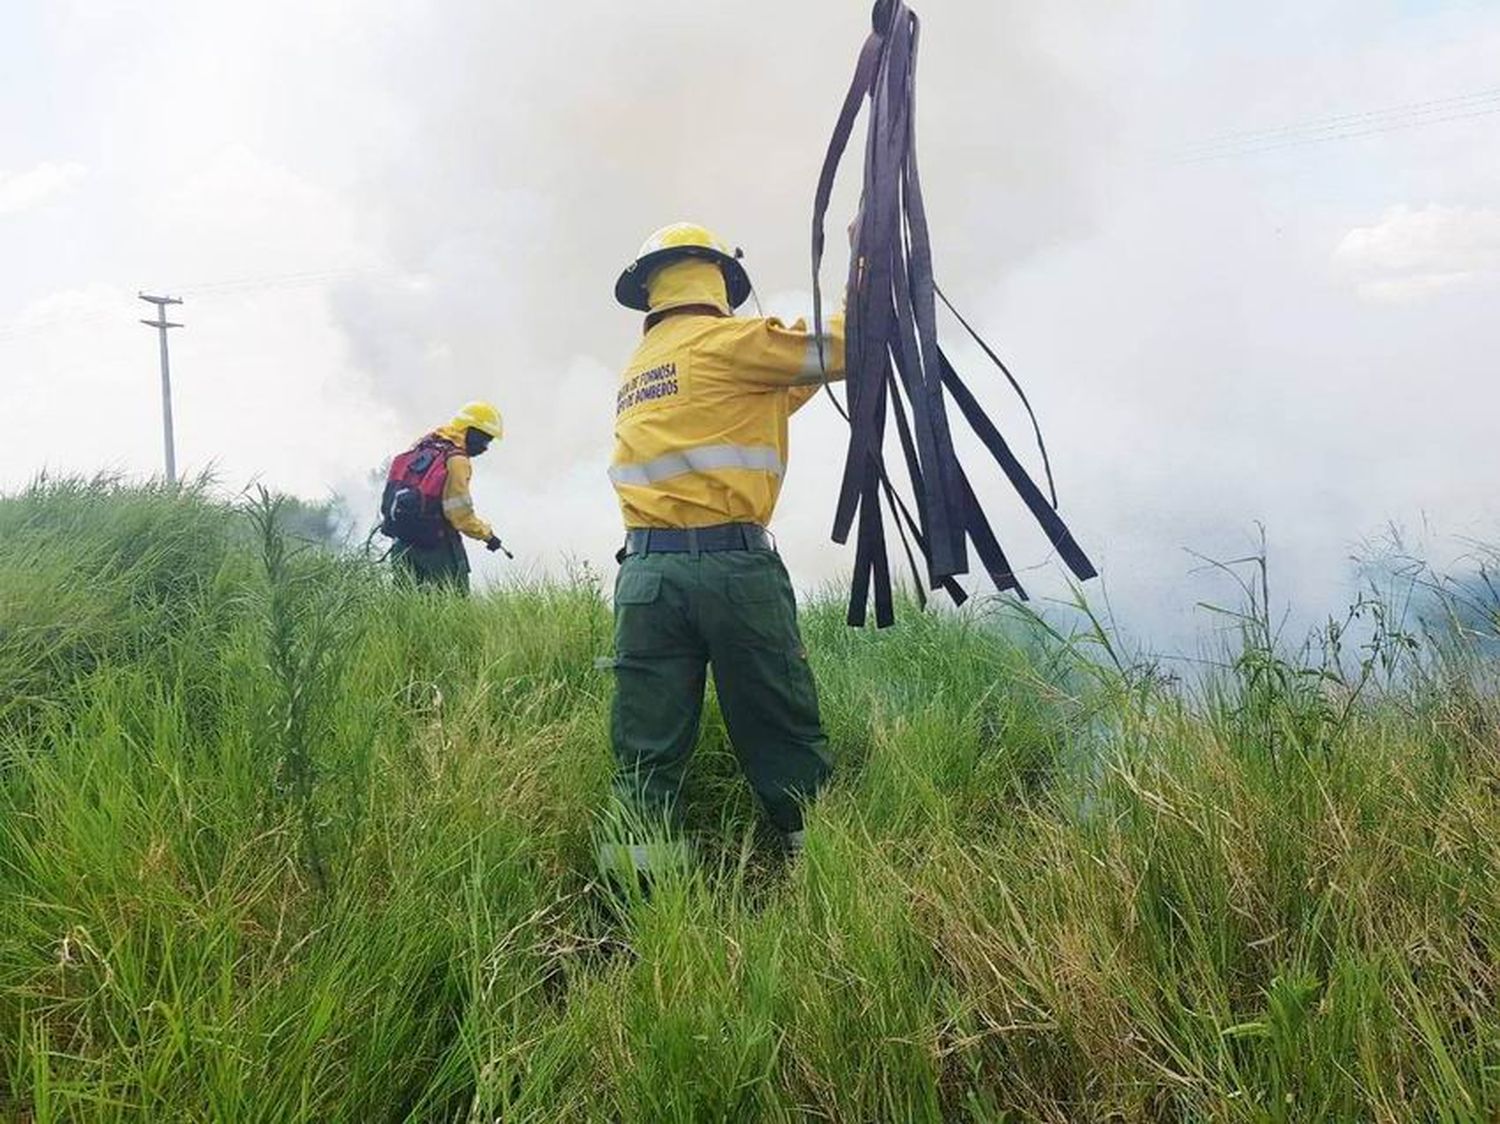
(739,255)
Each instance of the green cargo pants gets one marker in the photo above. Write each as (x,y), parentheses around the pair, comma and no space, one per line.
(676,613)
(445,565)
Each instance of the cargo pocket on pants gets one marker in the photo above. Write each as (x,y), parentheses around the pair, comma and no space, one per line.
(636,594)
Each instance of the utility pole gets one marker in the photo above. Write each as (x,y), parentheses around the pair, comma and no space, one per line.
(161,325)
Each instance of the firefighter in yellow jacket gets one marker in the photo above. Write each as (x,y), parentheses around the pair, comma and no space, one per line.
(700,450)
(427,507)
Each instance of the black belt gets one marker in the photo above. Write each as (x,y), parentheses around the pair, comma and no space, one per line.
(693,540)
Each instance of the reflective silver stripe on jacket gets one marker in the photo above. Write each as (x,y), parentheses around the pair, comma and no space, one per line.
(812,369)
(705,458)
(458,503)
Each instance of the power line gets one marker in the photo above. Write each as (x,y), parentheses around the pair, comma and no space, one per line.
(1354,134)
(210,290)
(1347,120)
(1348,126)
(280,280)
(16,330)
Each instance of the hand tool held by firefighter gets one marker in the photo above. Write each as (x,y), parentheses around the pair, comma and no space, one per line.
(897,371)
(493,544)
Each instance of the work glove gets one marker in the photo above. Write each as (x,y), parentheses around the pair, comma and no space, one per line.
(493,544)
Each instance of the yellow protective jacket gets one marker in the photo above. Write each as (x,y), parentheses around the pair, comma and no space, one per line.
(701,416)
(458,505)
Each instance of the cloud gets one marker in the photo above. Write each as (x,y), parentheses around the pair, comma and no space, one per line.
(21,191)
(1414,253)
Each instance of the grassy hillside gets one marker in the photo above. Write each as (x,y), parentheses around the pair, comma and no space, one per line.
(279,842)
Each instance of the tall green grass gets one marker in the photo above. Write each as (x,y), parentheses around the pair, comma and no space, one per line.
(280,841)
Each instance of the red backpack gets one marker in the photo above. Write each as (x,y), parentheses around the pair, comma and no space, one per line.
(411,509)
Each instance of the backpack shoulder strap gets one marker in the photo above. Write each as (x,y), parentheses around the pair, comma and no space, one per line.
(439,445)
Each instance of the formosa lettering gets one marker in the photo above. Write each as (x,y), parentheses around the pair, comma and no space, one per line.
(648,386)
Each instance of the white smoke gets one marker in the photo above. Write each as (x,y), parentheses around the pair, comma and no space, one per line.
(553,141)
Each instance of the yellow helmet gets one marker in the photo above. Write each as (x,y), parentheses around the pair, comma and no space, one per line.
(673,243)
(482,416)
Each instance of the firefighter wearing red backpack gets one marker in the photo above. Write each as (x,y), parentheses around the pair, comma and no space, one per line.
(426,506)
